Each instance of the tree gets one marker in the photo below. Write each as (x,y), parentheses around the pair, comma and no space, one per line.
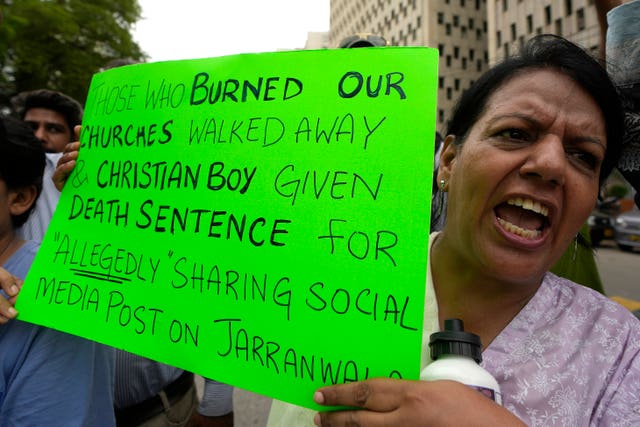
(60,44)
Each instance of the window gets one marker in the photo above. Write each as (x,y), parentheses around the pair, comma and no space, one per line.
(558,27)
(448,60)
(472,53)
(441,82)
(547,15)
(471,23)
(505,5)
(456,20)
(456,52)
(456,84)
(513,32)
(440,17)
(568,6)
(449,93)
(464,63)
(441,49)
(447,29)
(499,38)
(529,23)
(580,19)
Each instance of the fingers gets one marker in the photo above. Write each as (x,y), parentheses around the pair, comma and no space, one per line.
(9,283)
(66,163)
(358,418)
(70,152)
(11,286)
(377,394)
(7,312)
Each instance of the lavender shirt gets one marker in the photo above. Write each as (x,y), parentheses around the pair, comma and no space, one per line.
(569,358)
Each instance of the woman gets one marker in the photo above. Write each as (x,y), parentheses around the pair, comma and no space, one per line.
(526,149)
(46,377)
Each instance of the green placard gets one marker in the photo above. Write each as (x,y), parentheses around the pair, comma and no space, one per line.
(259,219)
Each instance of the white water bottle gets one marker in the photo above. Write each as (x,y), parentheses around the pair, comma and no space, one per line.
(456,355)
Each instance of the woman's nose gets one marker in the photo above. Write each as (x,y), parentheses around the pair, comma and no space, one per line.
(546,160)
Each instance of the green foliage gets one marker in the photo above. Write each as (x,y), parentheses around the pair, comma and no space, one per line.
(617,190)
(60,44)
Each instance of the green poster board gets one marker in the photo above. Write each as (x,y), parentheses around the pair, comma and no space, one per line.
(259,219)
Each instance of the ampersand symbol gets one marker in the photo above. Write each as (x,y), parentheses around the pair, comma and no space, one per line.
(80,177)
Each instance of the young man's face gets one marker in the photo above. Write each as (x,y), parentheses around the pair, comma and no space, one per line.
(50,127)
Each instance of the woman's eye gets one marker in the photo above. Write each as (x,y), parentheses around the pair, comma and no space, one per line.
(514,134)
(584,158)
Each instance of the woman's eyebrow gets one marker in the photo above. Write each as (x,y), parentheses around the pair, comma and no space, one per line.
(590,139)
(529,119)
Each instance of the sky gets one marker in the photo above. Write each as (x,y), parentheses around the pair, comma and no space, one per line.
(188,29)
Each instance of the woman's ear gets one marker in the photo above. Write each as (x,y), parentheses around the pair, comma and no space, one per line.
(20,200)
(448,156)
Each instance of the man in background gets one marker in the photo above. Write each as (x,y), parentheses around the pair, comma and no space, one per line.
(52,116)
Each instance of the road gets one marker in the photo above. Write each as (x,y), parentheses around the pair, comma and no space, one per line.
(620,273)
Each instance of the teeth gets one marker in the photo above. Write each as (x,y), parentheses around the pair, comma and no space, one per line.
(512,228)
(530,205)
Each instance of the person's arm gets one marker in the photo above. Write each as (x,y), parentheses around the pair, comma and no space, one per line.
(216,406)
(391,402)
(62,380)
(10,284)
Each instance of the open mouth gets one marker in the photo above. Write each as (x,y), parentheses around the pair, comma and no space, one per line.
(523,217)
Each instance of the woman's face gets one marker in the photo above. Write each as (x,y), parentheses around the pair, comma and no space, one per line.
(526,178)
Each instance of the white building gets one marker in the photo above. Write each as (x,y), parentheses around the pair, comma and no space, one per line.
(469,34)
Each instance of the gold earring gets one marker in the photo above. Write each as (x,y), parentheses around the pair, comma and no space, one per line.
(443,184)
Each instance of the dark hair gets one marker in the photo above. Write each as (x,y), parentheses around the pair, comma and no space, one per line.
(22,160)
(548,51)
(362,40)
(51,100)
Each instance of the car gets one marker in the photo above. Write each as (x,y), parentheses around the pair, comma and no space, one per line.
(627,230)
(601,220)
(600,227)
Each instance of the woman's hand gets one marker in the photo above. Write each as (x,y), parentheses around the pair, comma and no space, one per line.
(10,284)
(391,402)
(67,161)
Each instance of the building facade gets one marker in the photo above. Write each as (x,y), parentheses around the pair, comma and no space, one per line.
(457,28)
(512,22)
(469,34)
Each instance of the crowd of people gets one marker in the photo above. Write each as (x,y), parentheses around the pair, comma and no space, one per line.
(102,386)
(520,165)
